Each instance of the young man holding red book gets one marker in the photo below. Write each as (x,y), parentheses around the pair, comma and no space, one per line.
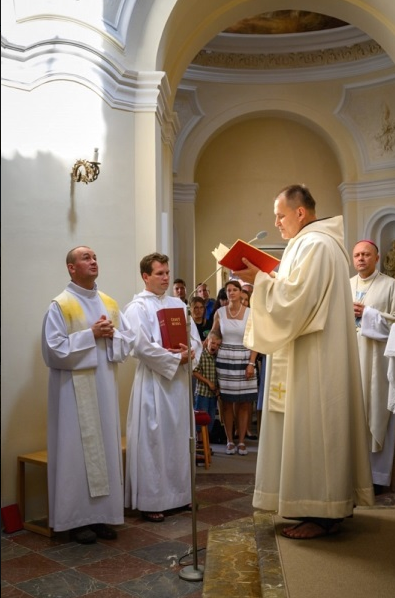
(158,478)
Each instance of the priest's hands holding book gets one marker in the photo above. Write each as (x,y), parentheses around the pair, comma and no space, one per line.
(249,273)
(183,350)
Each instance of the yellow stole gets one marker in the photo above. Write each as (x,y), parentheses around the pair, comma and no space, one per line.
(86,395)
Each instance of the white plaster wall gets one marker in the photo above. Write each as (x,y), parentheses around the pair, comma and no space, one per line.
(43,216)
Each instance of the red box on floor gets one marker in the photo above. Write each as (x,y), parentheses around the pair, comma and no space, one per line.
(11,519)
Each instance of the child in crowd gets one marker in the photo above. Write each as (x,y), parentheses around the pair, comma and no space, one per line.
(198,309)
(205,372)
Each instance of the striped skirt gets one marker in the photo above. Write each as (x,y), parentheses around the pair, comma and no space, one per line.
(232,361)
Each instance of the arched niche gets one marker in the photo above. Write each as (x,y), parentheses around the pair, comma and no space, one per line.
(240,171)
(381,228)
(325,125)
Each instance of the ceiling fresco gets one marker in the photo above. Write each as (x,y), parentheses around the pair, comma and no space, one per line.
(284,21)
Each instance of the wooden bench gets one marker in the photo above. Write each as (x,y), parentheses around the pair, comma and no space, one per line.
(39,458)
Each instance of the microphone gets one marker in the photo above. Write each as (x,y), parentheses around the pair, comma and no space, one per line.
(260,235)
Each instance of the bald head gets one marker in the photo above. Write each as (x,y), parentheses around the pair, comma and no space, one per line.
(82,266)
(365,257)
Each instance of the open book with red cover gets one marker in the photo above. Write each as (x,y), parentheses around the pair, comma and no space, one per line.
(262,260)
(173,327)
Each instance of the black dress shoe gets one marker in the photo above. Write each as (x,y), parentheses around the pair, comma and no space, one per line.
(83,535)
(103,531)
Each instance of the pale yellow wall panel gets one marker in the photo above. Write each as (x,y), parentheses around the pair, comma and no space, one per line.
(243,168)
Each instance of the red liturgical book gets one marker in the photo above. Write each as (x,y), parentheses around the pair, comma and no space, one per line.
(262,260)
(173,327)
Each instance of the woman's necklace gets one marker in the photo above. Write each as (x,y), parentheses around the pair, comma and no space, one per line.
(234,316)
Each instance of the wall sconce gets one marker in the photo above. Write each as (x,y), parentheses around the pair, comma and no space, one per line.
(85,171)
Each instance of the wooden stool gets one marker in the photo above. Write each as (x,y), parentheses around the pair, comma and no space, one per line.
(39,458)
(203,419)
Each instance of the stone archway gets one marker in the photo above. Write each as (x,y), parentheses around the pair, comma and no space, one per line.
(197,131)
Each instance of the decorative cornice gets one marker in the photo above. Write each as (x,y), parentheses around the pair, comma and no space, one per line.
(341,70)
(143,91)
(368,191)
(89,20)
(59,61)
(286,43)
(291,60)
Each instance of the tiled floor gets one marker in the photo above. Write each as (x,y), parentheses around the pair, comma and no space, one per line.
(146,558)
(144,561)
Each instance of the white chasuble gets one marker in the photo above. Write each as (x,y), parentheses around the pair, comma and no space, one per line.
(313,458)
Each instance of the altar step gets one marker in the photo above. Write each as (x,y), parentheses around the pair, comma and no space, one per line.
(242,560)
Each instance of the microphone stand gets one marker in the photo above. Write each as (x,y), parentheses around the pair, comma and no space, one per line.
(192,572)
(195,572)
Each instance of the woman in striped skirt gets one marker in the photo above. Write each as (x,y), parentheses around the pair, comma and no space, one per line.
(235,366)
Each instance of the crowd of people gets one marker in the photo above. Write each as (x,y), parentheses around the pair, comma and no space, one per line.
(327,414)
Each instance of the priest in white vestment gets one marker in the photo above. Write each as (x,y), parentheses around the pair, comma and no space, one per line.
(374,309)
(158,467)
(313,459)
(84,338)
